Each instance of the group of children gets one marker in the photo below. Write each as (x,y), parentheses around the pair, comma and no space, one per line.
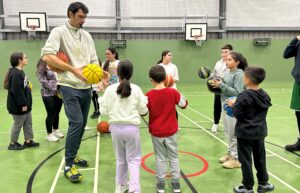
(124,103)
(247,130)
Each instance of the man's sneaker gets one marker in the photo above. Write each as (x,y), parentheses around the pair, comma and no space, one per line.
(57,133)
(225,158)
(95,115)
(72,174)
(121,188)
(80,162)
(293,147)
(241,189)
(265,188)
(52,138)
(175,187)
(232,163)
(160,187)
(31,143)
(15,146)
(214,128)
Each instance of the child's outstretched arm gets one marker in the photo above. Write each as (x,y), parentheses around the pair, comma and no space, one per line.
(182,102)
(142,105)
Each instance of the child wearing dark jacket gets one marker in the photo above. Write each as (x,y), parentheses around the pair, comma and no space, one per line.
(250,109)
(19,102)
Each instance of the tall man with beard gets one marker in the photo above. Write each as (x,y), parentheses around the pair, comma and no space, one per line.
(79,47)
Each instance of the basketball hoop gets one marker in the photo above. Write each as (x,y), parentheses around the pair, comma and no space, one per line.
(198,40)
(31,31)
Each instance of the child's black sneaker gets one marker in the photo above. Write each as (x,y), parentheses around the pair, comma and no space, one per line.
(176,187)
(95,115)
(265,188)
(80,162)
(160,187)
(242,189)
(15,146)
(31,143)
(72,174)
(293,147)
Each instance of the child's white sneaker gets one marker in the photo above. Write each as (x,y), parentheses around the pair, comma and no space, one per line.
(121,188)
(214,128)
(51,137)
(57,133)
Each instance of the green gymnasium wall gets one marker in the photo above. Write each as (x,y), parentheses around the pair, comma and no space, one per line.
(187,57)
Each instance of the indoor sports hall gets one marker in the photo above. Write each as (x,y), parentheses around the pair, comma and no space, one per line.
(194,31)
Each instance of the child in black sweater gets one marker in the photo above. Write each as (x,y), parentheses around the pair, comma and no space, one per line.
(250,110)
(19,102)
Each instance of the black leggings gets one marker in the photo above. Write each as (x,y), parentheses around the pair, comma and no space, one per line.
(53,106)
(217,108)
(297,113)
(95,100)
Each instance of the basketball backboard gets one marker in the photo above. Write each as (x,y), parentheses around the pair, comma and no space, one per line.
(29,19)
(193,30)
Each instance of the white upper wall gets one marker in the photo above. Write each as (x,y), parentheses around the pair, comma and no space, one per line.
(240,13)
(59,7)
(108,8)
(263,13)
(168,8)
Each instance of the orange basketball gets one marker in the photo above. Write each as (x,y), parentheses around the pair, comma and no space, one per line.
(61,55)
(169,81)
(103,127)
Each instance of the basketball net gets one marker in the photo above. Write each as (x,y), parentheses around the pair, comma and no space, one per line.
(31,31)
(198,40)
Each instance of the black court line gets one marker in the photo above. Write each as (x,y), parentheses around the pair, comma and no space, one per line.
(297,154)
(35,171)
(188,182)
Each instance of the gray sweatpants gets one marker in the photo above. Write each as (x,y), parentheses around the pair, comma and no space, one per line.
(20,121)
(229,131)
(166,149)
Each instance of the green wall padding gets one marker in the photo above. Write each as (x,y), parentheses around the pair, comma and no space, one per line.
(186,55)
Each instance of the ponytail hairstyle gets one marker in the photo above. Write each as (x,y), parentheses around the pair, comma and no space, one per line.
(239,58)
(41,66)
(163,54)
(124,71)
(14,62)
(114,52)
